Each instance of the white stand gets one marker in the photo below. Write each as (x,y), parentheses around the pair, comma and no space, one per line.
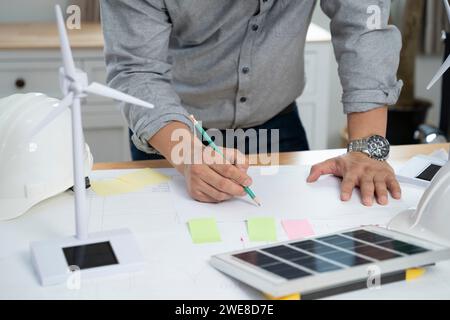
(53,267)
(431,219)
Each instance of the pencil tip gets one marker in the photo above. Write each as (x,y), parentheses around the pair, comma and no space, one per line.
(256,200)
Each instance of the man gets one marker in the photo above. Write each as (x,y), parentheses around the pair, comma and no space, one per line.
(240,64)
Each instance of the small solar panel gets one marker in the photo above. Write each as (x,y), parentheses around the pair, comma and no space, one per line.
(329,253)
(429,173)
(328,260)
(90,255)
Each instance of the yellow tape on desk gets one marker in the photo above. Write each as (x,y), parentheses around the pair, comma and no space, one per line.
(410,275)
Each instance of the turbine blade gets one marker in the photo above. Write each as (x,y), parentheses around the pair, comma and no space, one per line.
(447,8)
(440,73)
(66,52)
(105,91)
(63,104)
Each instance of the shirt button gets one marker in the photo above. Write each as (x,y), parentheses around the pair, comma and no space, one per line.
(243,99)
(245,70)
(255,27)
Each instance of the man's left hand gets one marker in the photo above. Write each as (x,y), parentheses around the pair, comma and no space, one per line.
(374,178)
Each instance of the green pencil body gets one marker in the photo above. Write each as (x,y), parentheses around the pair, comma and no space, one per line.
(216,149)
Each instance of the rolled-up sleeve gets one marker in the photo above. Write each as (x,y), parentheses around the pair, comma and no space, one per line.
(368,56)
(137,34)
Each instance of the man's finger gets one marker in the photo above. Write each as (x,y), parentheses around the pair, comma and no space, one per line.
(394,187)
(211,192)
(237,158)
(220,182)
(347,186)
(381,191)
(232,172)
(317,170)
(202,197)
(367,187)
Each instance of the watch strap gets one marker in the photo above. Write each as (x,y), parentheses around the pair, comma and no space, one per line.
(359,145)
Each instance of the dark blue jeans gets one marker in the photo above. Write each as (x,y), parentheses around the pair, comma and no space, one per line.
(291,133)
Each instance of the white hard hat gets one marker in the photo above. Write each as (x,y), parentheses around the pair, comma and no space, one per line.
(33,169)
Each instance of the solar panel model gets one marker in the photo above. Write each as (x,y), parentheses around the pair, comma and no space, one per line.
(331,264)
(429,172)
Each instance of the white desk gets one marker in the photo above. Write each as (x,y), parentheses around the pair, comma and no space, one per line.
(176,268)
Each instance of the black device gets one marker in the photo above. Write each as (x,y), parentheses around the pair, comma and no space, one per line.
(429,173)
(90,255)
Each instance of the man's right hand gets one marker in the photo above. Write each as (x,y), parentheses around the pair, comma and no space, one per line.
(212,179)
(215,180)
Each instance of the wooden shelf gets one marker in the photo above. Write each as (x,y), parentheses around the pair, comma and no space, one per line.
(14,36)
(45,36)
(398,153)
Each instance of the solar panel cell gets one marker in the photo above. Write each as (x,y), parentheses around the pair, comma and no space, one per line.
(286,253)
(317,265)
(256,258)
(286,271)
(346,258)
(376,253)
(367,236)
(313,247)
(342,242)
(402,247)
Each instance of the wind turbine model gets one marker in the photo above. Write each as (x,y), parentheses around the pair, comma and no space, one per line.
(446,64)
(94,254)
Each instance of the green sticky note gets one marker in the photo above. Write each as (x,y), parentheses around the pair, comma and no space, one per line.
(204,230)
(262,229)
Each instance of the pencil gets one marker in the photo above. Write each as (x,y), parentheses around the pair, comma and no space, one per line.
(216,149)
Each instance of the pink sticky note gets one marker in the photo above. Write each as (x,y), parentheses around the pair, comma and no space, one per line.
(297,228)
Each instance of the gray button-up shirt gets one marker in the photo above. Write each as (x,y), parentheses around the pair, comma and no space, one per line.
(238,63)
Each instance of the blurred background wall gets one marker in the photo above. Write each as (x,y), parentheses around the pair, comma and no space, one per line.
(426,63)
(28,10)
(426,66)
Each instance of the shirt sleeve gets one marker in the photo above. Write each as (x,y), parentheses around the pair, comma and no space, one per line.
(137,34)
(367,50)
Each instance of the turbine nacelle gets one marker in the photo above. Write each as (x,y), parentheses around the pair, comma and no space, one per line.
(76,85)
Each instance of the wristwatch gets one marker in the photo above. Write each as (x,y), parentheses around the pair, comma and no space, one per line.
(376,147)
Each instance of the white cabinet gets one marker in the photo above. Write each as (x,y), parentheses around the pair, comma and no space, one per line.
(104,127)
(37,71)
(28,75)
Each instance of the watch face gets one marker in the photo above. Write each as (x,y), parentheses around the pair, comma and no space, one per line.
(378,147)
